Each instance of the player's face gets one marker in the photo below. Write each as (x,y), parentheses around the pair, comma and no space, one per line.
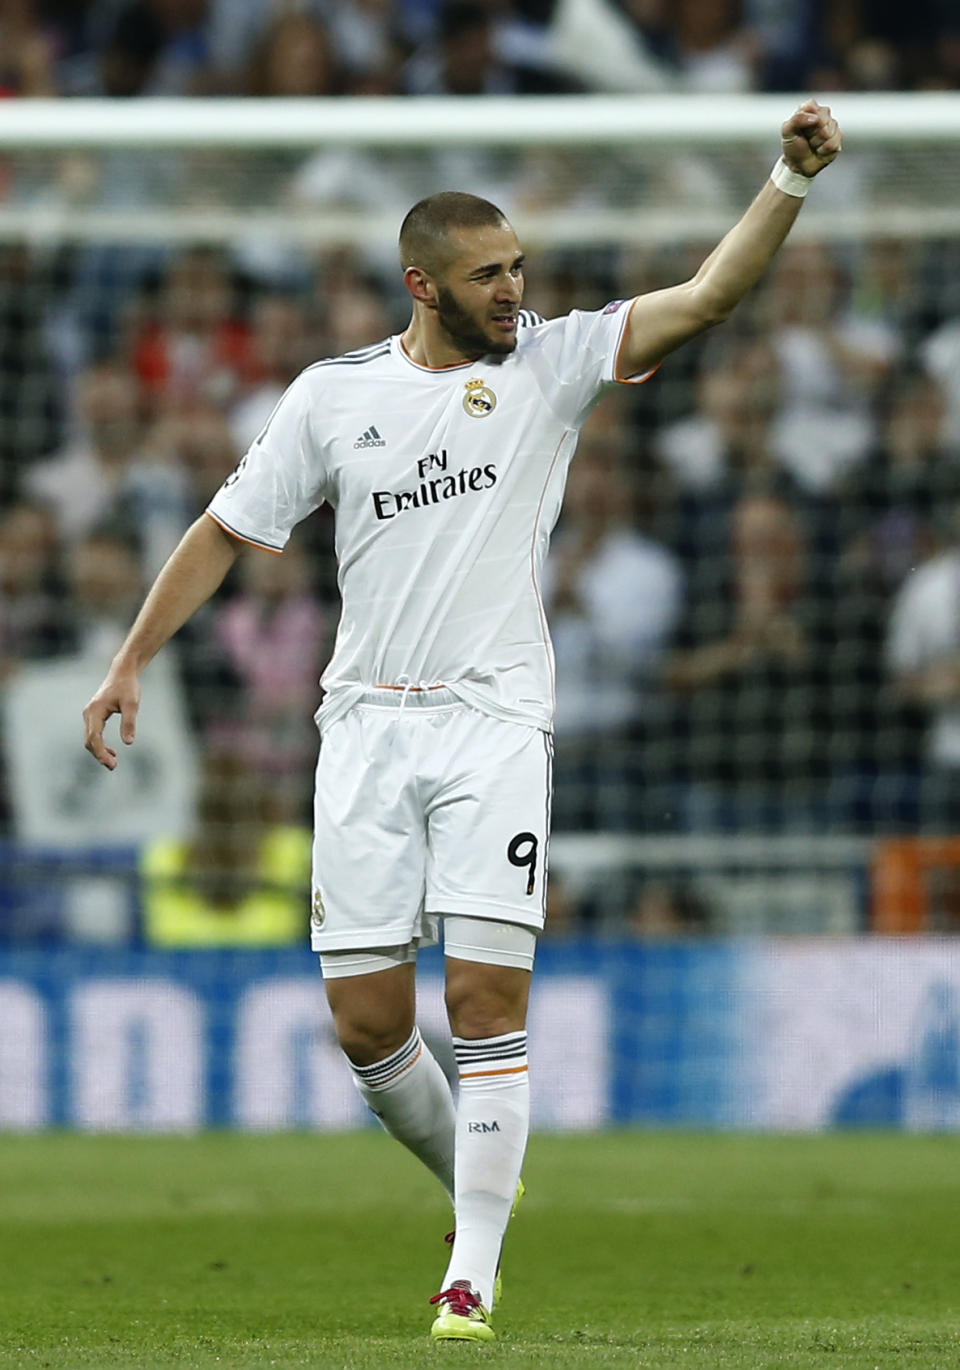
(479,294)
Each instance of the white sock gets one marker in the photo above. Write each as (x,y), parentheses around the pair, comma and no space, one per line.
(409,1093)
(493,1119)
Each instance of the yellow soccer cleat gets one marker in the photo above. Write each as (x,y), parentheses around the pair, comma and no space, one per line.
(461,1316)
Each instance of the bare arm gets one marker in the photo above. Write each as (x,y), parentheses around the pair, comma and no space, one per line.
(662,320)
(194,571)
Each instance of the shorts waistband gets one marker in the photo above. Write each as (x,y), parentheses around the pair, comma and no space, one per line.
(410,697)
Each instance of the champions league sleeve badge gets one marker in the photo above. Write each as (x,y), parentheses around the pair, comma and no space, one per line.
(479,401)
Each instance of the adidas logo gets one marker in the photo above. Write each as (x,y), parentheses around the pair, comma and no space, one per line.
(371,438)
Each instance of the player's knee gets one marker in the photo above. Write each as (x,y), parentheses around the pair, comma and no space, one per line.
(373,1015)
(476,1023)
(367,1042)
(488,1009)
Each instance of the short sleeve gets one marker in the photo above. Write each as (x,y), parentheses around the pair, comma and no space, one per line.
(280,480)
(576,357)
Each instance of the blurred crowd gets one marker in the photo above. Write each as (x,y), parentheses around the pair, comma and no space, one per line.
(123,48)
(754,588)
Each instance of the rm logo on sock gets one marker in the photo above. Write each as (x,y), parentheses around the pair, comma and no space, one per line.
(483,1127)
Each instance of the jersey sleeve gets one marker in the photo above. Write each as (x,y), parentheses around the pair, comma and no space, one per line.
(280,480)
(579,358)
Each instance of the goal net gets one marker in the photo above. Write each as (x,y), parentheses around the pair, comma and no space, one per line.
(750,586)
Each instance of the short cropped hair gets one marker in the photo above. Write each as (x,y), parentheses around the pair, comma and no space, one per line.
(425,231)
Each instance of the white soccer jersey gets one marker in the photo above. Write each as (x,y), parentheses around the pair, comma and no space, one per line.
(446,485)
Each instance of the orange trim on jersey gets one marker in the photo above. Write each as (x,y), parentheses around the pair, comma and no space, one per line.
(451,366)
(262,546)
(411,689)
(630,380)
(479,1074)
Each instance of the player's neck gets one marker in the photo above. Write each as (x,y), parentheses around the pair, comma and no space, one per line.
(432,348)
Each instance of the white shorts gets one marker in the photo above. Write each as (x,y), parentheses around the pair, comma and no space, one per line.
(425,807)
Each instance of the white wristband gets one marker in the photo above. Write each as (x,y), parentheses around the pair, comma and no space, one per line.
(790,182)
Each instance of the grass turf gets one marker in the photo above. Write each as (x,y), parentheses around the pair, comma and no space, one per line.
(631,1249)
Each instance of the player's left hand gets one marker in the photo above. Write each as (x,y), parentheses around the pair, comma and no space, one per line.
(811,138)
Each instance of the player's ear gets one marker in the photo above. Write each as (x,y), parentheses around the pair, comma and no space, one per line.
(420,285)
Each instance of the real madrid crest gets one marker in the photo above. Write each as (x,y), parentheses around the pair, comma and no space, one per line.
(479,401)
(319,912)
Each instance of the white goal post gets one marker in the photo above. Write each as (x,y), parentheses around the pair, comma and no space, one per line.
(581,170)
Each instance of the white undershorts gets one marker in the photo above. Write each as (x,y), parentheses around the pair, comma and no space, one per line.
(426,807)
(466,939)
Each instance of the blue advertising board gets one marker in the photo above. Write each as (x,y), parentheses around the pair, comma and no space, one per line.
(771,1034)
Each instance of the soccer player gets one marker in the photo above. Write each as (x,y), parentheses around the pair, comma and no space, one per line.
(444,451)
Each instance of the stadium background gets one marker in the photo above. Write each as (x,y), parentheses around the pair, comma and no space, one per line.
(754,588)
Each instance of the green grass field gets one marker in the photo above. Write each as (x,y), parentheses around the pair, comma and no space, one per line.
(631,1249)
